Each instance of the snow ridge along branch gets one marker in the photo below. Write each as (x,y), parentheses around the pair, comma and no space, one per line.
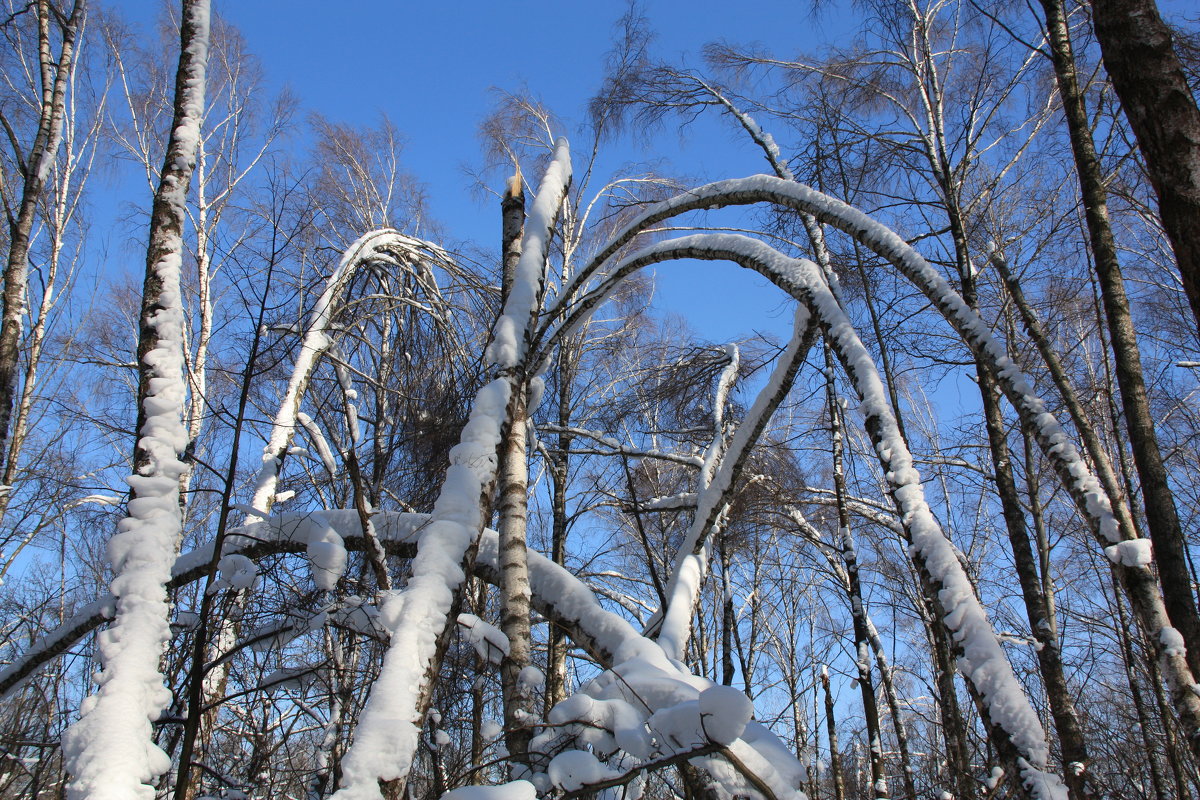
(110,751)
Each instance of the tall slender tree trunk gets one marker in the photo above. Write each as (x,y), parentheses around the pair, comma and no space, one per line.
(153,527)
(1062,707)
(512,505)
(945,667)
(835,758)
(862,646)
(560,466)
(1148,78)
(1066,719)
(166,215)
(889,693)
(1130,662)
(34,169)
(728,618)
(954,727)
(478,701)
(1158,500)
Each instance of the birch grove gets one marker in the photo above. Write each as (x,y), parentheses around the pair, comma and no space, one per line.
(321,499)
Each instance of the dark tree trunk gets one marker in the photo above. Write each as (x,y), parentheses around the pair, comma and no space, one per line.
(835,758)
(1066,719)
(512,225)
(728,618)
(164,254)
(858,612)
(1062,707)
(1145,728)
(560,467)
(1148,78)
(1158,501)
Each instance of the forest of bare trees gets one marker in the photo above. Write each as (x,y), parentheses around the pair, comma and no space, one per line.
(326,502)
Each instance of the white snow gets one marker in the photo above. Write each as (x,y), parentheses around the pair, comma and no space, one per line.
(571,770)
(531,678)
(1131,553)
(236,572)
(616,701)
(385,245)
(489,641)
(109,751)
(1172,641)
(716,481)
(326,553)
(515,790)
(1051,437)
(491,730)
(724,712)
(289,678)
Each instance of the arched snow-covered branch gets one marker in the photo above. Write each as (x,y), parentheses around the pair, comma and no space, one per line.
(1132,562)
(1017,730)
(386,245)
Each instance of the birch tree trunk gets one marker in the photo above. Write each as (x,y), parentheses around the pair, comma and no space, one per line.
(56,76)
(512,504)
(1158,500)
(167,213)
(110,751)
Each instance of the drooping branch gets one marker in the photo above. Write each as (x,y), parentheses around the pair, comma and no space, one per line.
(1086,492)
(384,245)
(1015,726)
(713,497)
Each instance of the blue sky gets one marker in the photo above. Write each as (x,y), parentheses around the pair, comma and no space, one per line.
(433,68)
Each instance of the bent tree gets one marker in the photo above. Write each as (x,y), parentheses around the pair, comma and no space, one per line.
(644,709)
(374,597)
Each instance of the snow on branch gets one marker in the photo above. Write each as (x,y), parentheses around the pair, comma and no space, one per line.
(983,661)
(384,245)
(637,668)
(388,732)
(714,494)
(617,448)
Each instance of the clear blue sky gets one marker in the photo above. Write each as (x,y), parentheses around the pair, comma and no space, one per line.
(432,68)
